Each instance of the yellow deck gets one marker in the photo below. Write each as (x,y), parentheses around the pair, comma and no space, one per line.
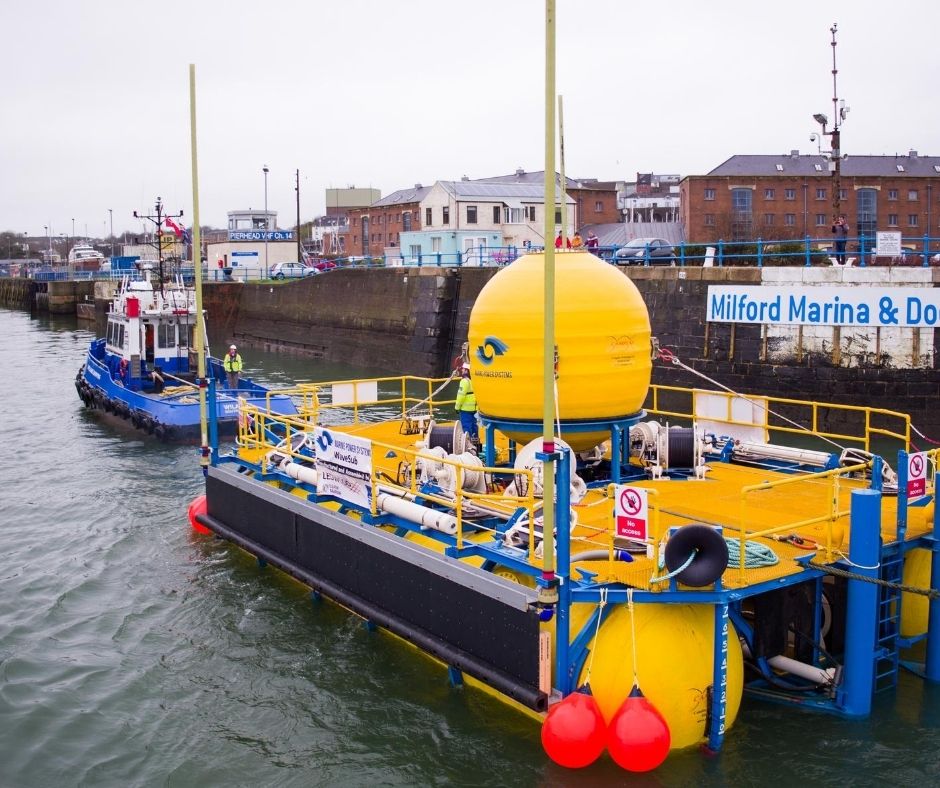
(716,500)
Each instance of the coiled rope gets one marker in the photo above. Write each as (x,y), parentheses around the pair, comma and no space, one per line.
(755,554)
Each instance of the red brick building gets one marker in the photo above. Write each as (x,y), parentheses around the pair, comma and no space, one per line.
(790,196)
(373,229)
(596,201)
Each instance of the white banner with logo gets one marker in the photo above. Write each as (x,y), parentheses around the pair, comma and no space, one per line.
(344,466)
(909,307)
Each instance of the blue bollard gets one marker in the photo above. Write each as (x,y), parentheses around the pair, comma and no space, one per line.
(862,610)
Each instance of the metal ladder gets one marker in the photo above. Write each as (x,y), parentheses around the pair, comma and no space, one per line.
(887,651)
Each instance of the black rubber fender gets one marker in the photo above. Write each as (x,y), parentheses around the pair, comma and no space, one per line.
(711,555)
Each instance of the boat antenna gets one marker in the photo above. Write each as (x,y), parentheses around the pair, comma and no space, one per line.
(197,268)
(158,219)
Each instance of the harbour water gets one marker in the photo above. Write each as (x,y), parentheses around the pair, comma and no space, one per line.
(136,653)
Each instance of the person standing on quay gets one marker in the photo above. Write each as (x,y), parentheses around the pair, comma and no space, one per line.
(232,364)
(841,231)
(466,404)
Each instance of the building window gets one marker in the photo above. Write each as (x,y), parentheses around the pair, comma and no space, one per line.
(820,194)
(530,213)
(497,211)
(790,220)
(912,220)
(557,215)
(866,218)
(741,216)
(709,194)
(912,195)
(892,220)
(471,214)
(820,220)
(598,206)
(710,219)
(768,219)
(427,217)
(892,194)
(355,239)
(789,194)
(843,194)
(406,221)
(768,194)
(445,218)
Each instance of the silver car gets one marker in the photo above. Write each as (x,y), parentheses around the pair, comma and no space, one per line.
(639,250)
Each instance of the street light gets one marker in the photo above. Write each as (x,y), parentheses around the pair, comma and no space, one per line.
(839,111)
(111,216)
(265,170)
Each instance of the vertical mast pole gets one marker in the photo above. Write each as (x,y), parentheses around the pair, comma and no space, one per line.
(201,340)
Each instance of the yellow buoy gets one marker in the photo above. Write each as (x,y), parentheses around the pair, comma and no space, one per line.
(602,332)
(915,607)
(674,653)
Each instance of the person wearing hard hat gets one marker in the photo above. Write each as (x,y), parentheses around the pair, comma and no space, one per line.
(232,364)
(466,403)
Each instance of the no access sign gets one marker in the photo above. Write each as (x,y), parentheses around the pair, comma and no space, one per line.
(631,512)
(917,474)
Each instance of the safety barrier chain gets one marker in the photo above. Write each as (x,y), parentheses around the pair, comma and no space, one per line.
(931,593)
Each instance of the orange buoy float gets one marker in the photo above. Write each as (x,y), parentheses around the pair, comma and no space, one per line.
(196,507)
(638,737)
(574,732)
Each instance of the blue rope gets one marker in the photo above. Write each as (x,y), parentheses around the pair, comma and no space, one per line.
(675,572)
(755,554)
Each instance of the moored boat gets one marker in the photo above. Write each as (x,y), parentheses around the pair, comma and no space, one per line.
(143,372)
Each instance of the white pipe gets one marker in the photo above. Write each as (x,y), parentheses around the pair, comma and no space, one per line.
(773,451)
(801,669)
(424,516)
(302,473)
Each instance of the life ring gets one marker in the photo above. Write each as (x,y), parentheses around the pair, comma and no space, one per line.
(709,549)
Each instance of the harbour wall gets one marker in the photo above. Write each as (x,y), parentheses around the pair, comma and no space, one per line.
(415,321)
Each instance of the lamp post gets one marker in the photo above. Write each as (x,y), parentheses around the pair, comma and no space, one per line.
(111,217)
(835,152)
(264,169)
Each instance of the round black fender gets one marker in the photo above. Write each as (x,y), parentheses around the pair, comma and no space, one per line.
(149,425)
(711,555)
(135,419)
(159,432)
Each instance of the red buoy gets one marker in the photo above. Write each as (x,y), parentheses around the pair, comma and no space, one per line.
(638,737)
(198,506)
(574,733)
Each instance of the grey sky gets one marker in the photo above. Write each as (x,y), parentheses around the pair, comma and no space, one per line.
(389,93)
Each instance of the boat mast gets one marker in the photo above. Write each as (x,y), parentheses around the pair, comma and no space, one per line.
(158,219)
(201,340)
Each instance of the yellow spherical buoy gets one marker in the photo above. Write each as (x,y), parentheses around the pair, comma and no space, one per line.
(674,653)
(602,332)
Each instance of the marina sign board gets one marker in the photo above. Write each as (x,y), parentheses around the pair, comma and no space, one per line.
(344,466)
(905,307)
(261,235)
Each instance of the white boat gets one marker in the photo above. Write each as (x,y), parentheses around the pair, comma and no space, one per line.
(85,257)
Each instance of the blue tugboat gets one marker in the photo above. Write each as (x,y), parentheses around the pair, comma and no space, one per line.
(143,371)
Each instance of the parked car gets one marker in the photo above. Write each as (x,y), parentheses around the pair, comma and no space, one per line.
(635,252)
(322,265)
(289,270)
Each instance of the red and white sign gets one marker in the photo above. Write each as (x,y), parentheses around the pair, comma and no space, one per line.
(917,474)
(631,512)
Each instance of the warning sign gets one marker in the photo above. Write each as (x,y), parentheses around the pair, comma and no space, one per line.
(917,474)
(631,512)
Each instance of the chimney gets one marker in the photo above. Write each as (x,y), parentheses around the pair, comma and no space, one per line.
(520,171)
(912,154)
(794,154)
(464,178)
(417,185)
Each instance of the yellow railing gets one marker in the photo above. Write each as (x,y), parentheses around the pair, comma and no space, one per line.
(807,413)
(255,425)
(312,399)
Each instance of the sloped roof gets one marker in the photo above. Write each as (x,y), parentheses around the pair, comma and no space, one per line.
(402,196)
(814,165)
(497,191)
(521,176)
